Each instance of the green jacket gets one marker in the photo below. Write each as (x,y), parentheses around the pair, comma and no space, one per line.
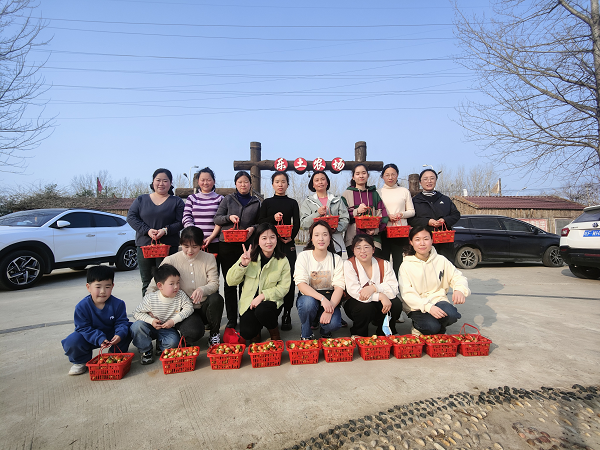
(274,281)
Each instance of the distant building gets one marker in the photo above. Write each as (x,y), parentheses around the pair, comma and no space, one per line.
(550,213)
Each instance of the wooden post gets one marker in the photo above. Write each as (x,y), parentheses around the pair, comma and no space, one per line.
(255,157)
(360,151)
(413,184)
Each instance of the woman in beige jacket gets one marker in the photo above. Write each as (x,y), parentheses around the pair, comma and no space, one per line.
(425,278)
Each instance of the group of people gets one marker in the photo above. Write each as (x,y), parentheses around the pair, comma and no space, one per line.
(181,291)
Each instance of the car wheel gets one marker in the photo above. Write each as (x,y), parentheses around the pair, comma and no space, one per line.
(589,273)
(21,270)
(78,268)
(127,258)
(467,258)
(552,257)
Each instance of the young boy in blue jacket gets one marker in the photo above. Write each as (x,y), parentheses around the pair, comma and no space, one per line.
(100,321)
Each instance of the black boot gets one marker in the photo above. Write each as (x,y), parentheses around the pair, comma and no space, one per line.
(286,321)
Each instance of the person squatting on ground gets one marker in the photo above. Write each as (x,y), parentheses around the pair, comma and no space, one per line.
(158,314)
(241,208)
(200,281)
(425,278)
(265,273)
(319,276)
(372,287)
(100,321)
(281,208)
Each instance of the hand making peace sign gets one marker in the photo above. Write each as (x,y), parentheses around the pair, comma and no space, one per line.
(246,255)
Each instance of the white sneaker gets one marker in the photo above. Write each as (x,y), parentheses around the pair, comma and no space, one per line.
(416,332)
(78,369)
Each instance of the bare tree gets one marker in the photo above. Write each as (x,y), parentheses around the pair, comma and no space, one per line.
(20,85)
(538,64)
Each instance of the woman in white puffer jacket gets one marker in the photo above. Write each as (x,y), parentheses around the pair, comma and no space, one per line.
(425,278)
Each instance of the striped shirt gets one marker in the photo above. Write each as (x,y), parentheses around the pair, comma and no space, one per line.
(163,308)
(200,210)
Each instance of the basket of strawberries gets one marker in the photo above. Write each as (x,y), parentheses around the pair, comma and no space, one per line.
(109,366)
(234,234)
(180,359)
(440,345)
(332,221)
(338,349)
(407,346)
(397,231)
(304,352)
(374,347)
(284,231)
(443,235)
(225,356)
(266,354)
(472,344)
(155,250)
(367,221)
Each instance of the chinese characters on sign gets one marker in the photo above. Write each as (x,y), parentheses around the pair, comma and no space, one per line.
(281,164)
(319,164)
(300,165)
(338,164)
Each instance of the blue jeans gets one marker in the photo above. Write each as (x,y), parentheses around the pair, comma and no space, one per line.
(308,310)
(79,350)
(427,324)
(143,333)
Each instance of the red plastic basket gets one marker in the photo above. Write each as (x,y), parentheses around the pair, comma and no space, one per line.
(181,363)
(403,351)
(374,352)
(235,234)
(398,231)
(109,371)
(441,350)
(220,361)
(266,359)
(480,346)
(303,356)
(338,354)
(443,236)
(157,250)
(285,231)
(333,221)
(367,222)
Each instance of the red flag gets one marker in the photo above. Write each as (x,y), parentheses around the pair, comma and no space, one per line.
(99,186)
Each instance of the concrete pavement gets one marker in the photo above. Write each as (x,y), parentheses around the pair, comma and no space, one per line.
(544,324)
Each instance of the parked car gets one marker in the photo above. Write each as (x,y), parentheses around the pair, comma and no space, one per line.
(35,242)
(580,244)
(498,238)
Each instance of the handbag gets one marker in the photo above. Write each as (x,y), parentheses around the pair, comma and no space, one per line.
(230,336)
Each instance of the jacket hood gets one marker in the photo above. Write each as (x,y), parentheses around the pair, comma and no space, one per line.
(413,258)
(330,198)
(369,188)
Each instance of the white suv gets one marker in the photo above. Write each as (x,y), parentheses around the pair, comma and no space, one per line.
(580,244)
(38,241)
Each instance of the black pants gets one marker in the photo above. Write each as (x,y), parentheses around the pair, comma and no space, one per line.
(446,249)
(394,247)
(252,321)
(362,314)
(214,248)
(210,311)
(229,253)
(290,252)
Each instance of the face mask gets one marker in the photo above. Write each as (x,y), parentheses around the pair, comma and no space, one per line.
(386,325)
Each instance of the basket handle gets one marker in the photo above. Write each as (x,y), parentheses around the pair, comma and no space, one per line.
(236,226)
(155,242)
(464,331)
(280,222)
(100,354)
(442,228)
(184,342)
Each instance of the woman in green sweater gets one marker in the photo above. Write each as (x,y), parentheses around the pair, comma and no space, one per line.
(281,208)
(265,273)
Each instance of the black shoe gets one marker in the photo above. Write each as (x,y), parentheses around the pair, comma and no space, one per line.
(147,358)
(310,338)
(315,324)
(231,324)
(158,350)
(286,321)
(344,324)
(326,335)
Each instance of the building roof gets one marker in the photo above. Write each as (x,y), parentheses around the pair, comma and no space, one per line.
(520,202)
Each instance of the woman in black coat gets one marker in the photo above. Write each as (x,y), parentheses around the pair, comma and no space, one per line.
(433,210)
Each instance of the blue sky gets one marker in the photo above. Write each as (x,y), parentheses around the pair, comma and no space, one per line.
(137,85)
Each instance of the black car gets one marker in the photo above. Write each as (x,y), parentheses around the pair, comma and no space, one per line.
(499,238)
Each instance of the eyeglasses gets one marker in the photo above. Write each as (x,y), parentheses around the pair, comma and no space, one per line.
(428,179)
